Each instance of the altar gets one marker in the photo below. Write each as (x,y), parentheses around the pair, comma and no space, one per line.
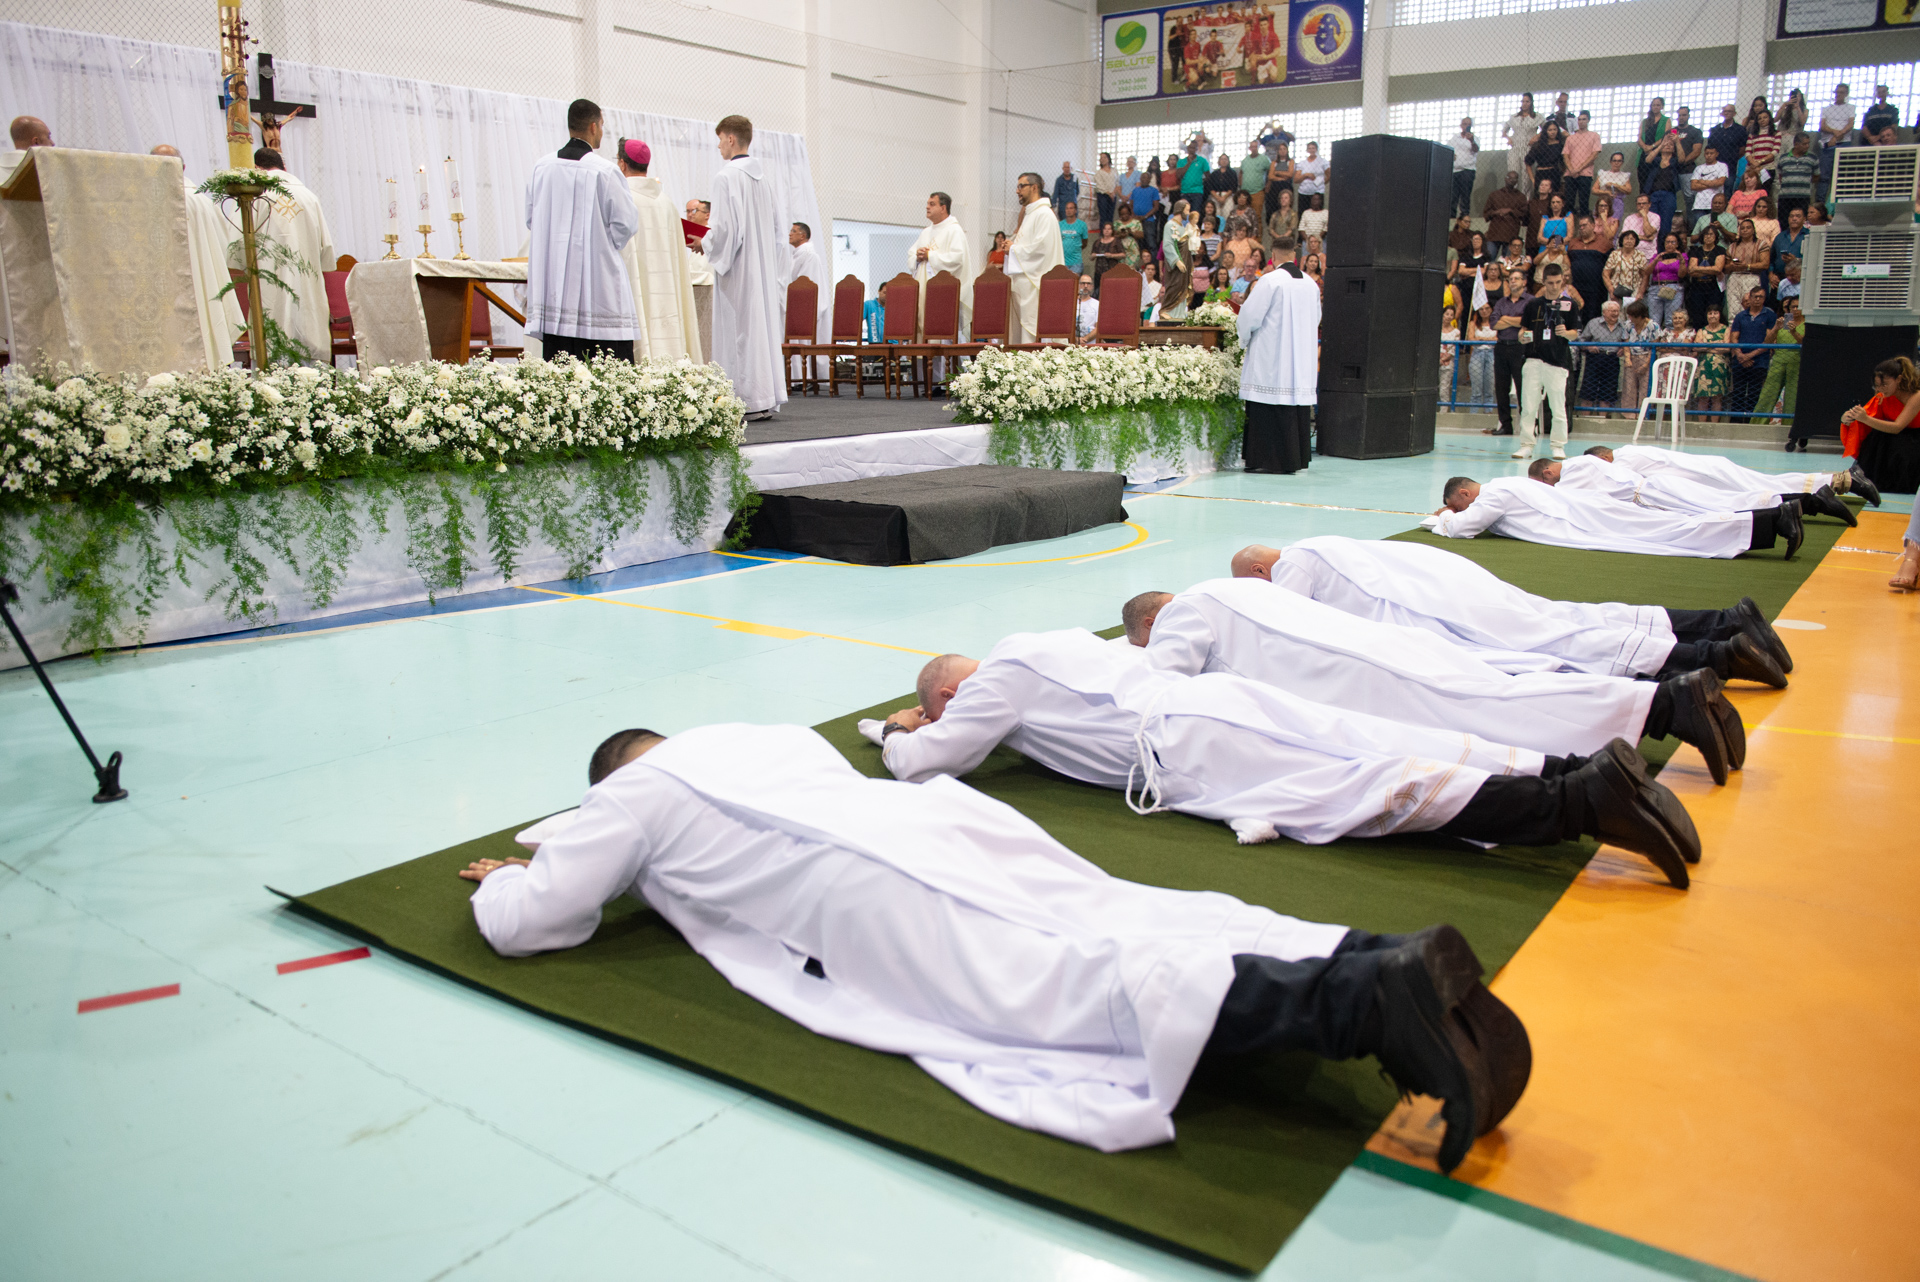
(415,309)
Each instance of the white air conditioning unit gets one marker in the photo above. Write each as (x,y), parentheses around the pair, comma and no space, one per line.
(1875,186)
(1862,277)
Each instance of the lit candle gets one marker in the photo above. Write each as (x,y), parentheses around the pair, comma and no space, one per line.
(420,180)
(453,188)
(393,207)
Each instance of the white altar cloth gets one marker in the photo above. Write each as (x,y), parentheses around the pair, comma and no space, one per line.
(383,297)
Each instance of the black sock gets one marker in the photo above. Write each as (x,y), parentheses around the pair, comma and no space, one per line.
(1762,529)
(1520,810)
(1660,712)
(1319,1004)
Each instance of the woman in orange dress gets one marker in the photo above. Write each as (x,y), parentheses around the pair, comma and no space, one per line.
(1881,435)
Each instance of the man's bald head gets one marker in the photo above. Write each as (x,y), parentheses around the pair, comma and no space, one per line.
(1254,562)
(30,131)
(617,750)
(939,680)
(166,149)
(1601,452)
(1138,614)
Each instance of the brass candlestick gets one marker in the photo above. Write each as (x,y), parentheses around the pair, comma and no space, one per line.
(461,233)
(392,240)
(425,230)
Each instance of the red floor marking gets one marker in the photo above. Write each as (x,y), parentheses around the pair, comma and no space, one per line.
(128,999)
(325,959)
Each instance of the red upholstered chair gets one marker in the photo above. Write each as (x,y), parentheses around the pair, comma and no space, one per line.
(848,330)
(339,320)
(900,309)
(242,346)
(939,329)
(992,307)
(1059,295)
(480,336)
(1119,319)
(801,340)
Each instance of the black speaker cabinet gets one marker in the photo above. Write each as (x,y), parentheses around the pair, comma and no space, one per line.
(1378,329)
(1392,195)
(1376,424)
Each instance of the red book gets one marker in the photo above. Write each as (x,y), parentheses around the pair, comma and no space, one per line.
(692,228)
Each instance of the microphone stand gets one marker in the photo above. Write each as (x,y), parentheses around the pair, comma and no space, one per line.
(107,775)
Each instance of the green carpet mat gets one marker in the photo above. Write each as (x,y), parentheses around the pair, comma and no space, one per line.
(1260,1141)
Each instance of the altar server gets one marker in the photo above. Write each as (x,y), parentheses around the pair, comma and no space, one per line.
(208,235)
(929,921)
(1445,593)
(1280,369)
(296,222)
(750,274)
(1520,507)
(1267,634)
(1723,473)
(942,246)
(1266,762)
(1032,253)
(665,324)
(581,216)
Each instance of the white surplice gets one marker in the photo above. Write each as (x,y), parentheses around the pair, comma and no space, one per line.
(221,321)
(947,251)
(1280,336)
(1218,746)
(580,215)
(297,223)
(1032,253)
(1520,507)
(1714,470)
(1670,492)
(949,927)
(747,249)
(1430,588)
(1253,629)
(665,325)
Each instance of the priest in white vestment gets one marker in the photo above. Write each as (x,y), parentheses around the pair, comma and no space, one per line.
(930,921)
(208,239)
(1417,586)
(1723,473)
(942,246)
(806,262)
(1520,507)
(1032,253)
(298,223)
(1672,493)
(700,272)
(665,324)
(750,274)
(1266,762)
(581,216)
(1280,367)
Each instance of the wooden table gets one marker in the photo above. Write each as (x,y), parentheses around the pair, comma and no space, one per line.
(415,309)
(1164,335)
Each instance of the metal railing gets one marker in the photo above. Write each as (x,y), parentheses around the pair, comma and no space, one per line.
(1595,383)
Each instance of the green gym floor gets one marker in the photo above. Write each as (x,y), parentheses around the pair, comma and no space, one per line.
(371,1119)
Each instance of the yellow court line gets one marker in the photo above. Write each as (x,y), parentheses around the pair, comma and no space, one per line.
(1834,734)
(1140,536)
(734,625)
(1324,507)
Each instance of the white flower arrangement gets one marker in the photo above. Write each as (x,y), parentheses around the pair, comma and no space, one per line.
(1009,387)
(1218,313)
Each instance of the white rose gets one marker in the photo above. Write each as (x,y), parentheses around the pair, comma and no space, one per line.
(118,438)
(269,393)
(162,379)
(306,453)
(200,451)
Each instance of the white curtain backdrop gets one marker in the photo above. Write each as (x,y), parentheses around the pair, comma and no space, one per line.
(106,93)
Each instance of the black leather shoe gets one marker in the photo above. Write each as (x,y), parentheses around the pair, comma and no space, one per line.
(1423,1048)
(1744,659)
(1857,483)
(1628,809)
(1824,502)
(1703,717)
(1786,525)
(1754,624)
(1497,1033)
(1627,759)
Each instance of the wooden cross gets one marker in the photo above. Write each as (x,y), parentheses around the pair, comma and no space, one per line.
(273,113)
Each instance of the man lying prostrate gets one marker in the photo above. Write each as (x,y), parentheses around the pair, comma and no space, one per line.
(928,920)
(1266,762)
(1442,592)
(1270,635)
(1725,474)
(1673,492)
(1521,507)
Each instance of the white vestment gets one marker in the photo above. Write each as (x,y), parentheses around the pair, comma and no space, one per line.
(699,270)
(221,320)
(1425,587)
(1252,629)
(1280,336)
(580,215)
(947,251)
(949,927)
(298,224)
(1217,746)
(1717,471)
(1520,507)
(748,252)
(664,321)
(1670,492)
(1032,253)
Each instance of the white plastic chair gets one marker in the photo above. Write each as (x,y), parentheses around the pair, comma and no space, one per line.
(1671,386)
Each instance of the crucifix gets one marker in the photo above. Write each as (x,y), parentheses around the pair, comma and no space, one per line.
(273,113)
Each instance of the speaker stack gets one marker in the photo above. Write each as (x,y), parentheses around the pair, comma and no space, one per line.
(1380,315)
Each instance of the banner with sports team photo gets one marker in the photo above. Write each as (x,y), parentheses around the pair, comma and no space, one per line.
(1177,50)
